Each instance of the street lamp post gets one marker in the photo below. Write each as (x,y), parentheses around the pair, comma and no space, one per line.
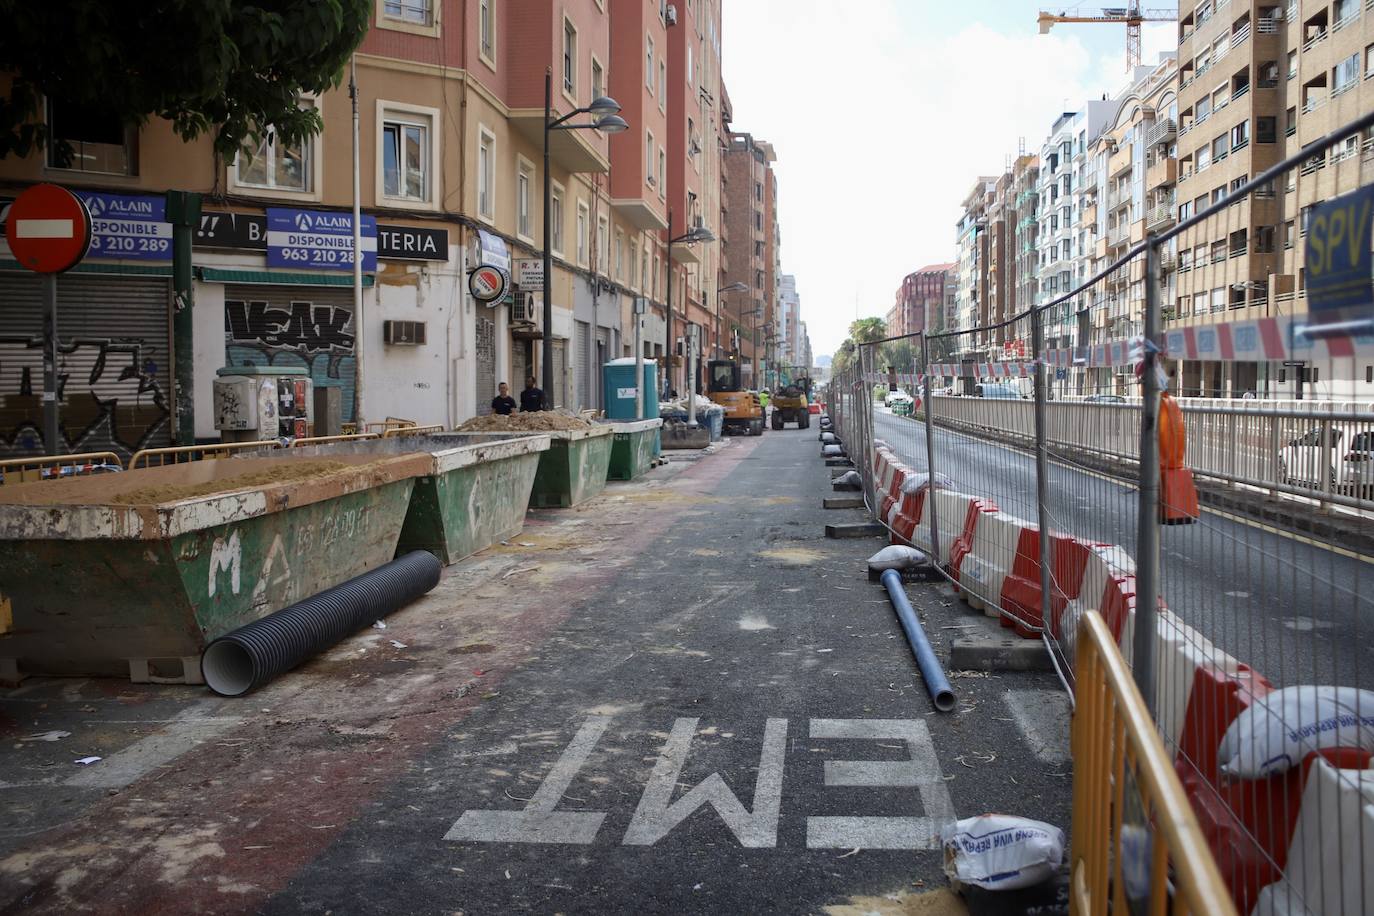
(736,287)
(695,234)
(608,120)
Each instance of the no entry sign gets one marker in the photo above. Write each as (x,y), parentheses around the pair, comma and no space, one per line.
(48,229)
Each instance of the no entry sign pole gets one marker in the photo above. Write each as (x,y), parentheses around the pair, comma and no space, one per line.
(51,437)
(49,230)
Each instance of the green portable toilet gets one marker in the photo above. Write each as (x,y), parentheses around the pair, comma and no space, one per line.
(618,386)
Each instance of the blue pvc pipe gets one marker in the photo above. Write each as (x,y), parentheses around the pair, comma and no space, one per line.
(931,672)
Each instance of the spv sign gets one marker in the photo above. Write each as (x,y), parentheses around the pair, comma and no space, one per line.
(1338,258)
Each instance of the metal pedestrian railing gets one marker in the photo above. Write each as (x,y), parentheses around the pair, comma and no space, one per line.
(1137,846)
(56,467)
(180,454)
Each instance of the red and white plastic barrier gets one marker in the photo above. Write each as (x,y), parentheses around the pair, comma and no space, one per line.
(1280,841)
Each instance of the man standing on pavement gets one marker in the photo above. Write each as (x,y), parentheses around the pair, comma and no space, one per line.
(532,398)
(503,403)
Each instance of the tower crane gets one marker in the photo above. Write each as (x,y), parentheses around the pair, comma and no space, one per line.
(1132,16)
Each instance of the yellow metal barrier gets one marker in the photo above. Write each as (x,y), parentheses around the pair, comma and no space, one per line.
(396,431)
(50,467)
(157,457)
(322,440)
(1132,822)
(388,423)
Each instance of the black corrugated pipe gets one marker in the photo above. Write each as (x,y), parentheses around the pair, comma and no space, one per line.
(252,655)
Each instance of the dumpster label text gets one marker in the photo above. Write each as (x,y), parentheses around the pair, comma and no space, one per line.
(657,814)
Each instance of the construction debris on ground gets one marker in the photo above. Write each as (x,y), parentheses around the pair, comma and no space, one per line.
(536,421)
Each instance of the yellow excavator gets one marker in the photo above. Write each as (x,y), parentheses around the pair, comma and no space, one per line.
(743,409)
(791,402)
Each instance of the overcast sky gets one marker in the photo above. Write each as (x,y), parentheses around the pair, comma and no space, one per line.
(883,112)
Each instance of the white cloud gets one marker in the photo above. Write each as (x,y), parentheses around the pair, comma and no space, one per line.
(878,145)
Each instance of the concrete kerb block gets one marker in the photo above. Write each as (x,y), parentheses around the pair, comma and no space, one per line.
(842,502)
(838,463)
(986,646)
(854,530)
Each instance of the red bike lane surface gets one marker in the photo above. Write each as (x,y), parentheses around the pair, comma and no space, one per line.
(228,823)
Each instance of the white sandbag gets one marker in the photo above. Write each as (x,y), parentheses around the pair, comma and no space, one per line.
(898,556)
(849,479)
(914,483)
(827,438)
(1284,726)
(832,451)
(1001,852)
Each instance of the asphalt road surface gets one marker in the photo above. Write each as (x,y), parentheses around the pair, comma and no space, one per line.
(1296,611)
(679,698)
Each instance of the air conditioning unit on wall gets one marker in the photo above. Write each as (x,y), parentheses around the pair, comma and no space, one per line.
(526,309)
(404,333)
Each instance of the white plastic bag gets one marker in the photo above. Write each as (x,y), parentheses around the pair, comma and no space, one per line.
(849,479)
(1276,732)
(898,556)
(914,483)
(1001,852)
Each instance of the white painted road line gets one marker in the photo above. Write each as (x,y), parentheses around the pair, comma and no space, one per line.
(921,770)
(539,822)
(133,762)
(655,818)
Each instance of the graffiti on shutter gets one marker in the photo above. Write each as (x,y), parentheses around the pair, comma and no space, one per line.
(309,327)
(486,364)
(114,364)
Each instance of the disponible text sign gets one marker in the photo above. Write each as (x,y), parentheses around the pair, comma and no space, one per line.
(317,240)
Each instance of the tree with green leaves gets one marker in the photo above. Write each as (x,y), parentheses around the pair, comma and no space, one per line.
(867,330)
(231,69)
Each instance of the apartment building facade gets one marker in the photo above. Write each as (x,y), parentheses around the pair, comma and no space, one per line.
(971,293)
(1259,82)
(451,108)
(750,247)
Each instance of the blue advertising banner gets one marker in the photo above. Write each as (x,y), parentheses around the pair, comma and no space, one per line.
(317,240)
(128,227)
(1338,257)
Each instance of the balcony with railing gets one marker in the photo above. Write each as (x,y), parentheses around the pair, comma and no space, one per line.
(1163,171)
(1120,161)
(1118,197)
(1119,234)
(1161,131)
(1240,35)
(1160,217)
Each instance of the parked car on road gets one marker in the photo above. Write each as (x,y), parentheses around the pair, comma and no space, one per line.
(992,390)
(893,395)
(1345,459)
(1104,399)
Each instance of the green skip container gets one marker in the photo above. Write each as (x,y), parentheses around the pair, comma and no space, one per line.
(632,447)
(475,494)
(572,471)
(135,573)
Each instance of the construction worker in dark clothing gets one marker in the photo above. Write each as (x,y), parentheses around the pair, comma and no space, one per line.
(503,403)
(532,398)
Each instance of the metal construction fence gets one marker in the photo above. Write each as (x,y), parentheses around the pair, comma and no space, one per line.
(1055,462)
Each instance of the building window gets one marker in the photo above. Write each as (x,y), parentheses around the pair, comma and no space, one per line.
(556,219)
(524,184)
(689,65)
(1345,74)
(582,217)
(415,12)
(643,278)
(649,159)
(662,84)
(620,255)
(569,58)
(486,29)
(1369,62)
(662,172)
(405,159)
(649,65)
(598,79)
(1292,64)
(99,142)
(278,166)
(634,265)
(1240,135)
(657,271)
(603,248)
(486,176)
